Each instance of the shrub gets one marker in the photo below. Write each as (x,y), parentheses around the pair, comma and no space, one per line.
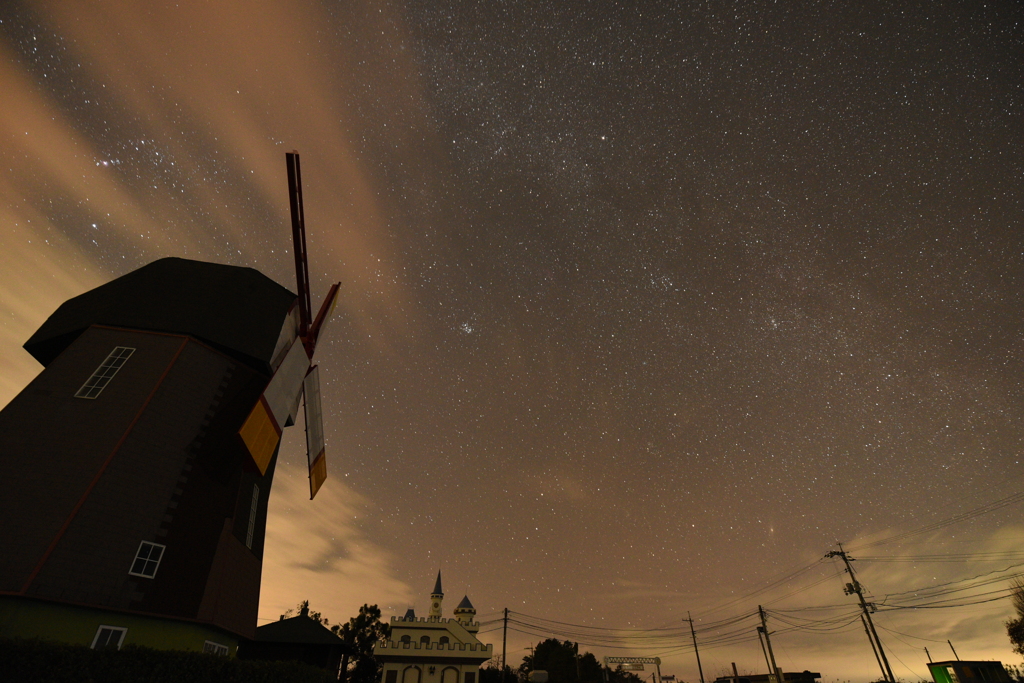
(37,661)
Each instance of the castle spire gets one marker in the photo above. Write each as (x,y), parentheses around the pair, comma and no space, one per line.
(436,597)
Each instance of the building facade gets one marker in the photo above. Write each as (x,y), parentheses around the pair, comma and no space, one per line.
(133,512)
(434,649)
(958,671)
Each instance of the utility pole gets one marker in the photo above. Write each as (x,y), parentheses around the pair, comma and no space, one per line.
(855,587)
(695,651)
(771,655)
(929,655)
(763,651)
(504,640)
(954,650)
(873,648)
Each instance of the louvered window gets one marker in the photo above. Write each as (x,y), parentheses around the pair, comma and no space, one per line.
(105,372)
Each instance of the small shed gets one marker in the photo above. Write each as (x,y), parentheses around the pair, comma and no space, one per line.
(299,639)
(957,671)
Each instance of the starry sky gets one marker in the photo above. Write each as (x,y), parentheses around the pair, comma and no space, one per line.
(644,306)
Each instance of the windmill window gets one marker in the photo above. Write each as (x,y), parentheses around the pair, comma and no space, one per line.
(252,515)
(105,372)
(108,636)
(212,648)
(147,559)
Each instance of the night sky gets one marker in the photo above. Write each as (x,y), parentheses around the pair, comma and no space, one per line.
(644,306)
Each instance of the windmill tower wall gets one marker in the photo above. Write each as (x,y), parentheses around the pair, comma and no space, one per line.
(152,461)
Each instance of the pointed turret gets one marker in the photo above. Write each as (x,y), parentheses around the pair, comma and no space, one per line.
(465,613)
(436,597)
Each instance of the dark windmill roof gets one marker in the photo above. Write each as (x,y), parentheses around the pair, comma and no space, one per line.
(237,310)
(299,630)
(465,604)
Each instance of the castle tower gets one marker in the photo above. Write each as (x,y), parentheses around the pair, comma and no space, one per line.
(465,612)
(435,649)
(435,598)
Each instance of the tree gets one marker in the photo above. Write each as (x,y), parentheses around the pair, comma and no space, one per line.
(590,669)
(1015,627)
(315,616)
(620,675)
(492,673)
(1016,672)
(565,664)
(362,632)
(555,657)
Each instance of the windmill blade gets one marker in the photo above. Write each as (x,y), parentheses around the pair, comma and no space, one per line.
(261,431)
(315,449)
(299,240)
(325,313)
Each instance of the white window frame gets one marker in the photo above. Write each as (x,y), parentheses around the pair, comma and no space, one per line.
(212,648)
(120,630)
(99,380)
(148,559)
(252,515)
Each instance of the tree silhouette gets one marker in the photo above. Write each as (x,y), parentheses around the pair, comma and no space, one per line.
(362,632)
(492,673)
(565,664)
(304,605)
(1015,627)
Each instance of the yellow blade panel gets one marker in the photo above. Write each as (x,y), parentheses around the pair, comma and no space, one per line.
(262,429)
(261,434)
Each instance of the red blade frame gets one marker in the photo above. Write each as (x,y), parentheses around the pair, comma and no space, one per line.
(299,242)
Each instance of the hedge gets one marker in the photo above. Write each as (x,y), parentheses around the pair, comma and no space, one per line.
(39,661)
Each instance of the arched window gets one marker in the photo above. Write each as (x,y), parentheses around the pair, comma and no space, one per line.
(406,639)
(425,640)
(443,640)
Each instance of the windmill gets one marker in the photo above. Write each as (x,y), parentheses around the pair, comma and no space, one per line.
(136,468)
(295,376)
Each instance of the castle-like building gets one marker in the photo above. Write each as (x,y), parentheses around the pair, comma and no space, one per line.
(433,649)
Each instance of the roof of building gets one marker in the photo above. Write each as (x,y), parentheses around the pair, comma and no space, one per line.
(410,614)
(300,629)
(465,604)
(237,310)
(437,585)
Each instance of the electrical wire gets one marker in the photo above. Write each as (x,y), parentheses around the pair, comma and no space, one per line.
(941,524)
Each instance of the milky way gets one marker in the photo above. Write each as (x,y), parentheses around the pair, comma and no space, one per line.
(644,306)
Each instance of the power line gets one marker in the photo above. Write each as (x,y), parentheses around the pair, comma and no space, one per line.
(949,521)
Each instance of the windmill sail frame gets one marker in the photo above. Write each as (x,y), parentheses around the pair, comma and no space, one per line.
(295,377)
(315,448)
